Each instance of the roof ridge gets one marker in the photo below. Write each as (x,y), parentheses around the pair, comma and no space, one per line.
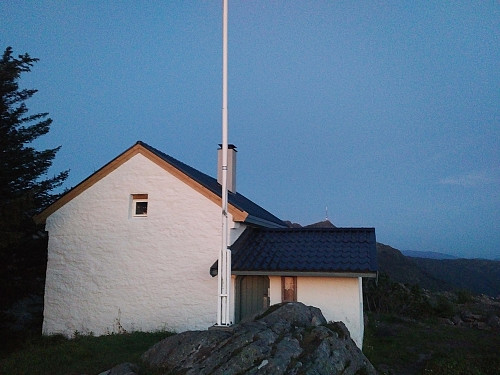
(316,229)
(236,199)
(253,212)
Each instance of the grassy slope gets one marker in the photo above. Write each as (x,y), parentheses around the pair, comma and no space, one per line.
(83,355)
(403,346)
(394,345)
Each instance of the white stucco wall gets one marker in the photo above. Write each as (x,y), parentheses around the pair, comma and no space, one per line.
(339,299)
(109,271)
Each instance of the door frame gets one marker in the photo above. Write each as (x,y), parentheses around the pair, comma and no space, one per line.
(238,293)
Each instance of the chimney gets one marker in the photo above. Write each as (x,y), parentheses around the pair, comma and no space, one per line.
(231,167)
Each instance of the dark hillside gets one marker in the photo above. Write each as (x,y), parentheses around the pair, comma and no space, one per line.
(479,276)
(405,270)
(427,254)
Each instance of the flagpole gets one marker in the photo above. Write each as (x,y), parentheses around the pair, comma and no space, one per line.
(224,267)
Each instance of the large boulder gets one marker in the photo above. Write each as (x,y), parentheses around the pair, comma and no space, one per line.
(289,338)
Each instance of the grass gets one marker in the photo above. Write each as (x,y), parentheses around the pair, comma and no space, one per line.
(393,344)
(56,355)
(409,347)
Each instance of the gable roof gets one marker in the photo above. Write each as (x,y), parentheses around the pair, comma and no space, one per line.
(241,208)
(306,251)
(321,224)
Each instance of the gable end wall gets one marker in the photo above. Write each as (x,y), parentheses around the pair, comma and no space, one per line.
(108,271)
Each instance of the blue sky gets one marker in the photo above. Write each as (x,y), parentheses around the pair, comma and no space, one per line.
(387,113)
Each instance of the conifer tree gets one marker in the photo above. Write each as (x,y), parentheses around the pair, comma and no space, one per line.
(24,185)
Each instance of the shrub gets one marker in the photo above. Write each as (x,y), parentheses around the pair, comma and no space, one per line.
(464,296)
(444,307)
(389,297)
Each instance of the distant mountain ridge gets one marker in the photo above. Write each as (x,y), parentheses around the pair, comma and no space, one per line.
(480,276)
(427,254)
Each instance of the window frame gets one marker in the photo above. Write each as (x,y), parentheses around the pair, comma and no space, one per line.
(139,198)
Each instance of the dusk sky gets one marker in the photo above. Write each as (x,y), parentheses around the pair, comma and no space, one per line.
(387,113)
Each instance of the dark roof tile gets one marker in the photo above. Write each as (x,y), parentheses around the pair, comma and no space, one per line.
(326,250)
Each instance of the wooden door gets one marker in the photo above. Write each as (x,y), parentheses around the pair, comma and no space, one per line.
(289,289)
(252,295)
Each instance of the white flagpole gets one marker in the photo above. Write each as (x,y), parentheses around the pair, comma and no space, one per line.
(224,268)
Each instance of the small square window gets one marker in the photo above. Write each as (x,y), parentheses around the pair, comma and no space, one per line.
(139,205)
(141,208)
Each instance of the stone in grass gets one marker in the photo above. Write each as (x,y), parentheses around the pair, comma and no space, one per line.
(122,369)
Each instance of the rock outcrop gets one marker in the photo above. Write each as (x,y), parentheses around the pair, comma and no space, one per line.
(289,338)
(122,369)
